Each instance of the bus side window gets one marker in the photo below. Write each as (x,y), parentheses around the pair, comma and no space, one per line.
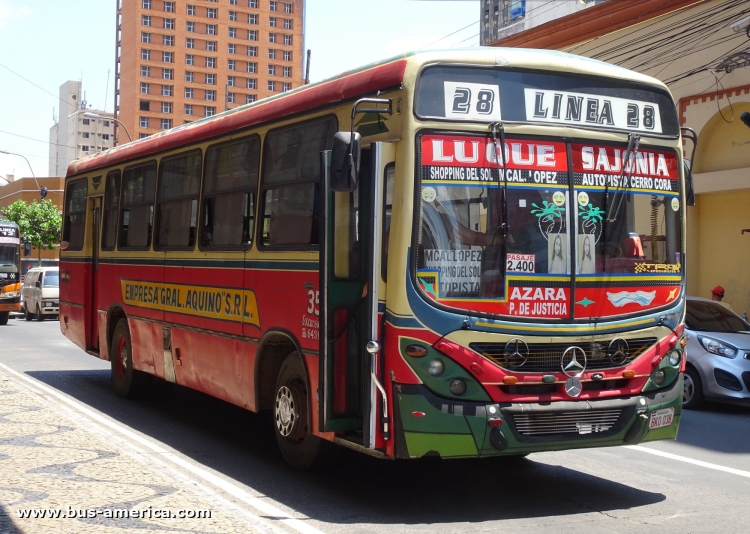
(390,178)
(177,200)
(137,207)
(290,188)
(111,207)
(75,214)
(228,213)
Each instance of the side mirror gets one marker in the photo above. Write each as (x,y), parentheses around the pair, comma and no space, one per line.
(345,161)
(689,191)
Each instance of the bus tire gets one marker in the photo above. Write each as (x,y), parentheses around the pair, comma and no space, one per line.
(4,316)
(126,381)
(291,409)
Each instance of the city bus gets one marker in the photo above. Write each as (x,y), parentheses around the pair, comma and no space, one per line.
(459,254)
(10,270)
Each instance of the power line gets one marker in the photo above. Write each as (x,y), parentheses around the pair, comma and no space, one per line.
(37,86)
(37,140)
(446,36)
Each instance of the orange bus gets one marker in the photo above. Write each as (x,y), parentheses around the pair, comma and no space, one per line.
(464,254)
(10,270)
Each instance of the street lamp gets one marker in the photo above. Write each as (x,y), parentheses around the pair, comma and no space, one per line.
(91,115)
(42,190)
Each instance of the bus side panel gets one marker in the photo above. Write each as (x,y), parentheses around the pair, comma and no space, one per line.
(148,342)
(74,300)
(103,341)
(312,363)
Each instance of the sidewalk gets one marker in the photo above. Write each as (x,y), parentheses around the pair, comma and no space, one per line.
(50,465)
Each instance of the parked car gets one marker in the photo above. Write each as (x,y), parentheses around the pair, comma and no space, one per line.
(718,354)
(40,295)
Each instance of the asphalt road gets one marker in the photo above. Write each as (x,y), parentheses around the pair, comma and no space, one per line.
(619,489)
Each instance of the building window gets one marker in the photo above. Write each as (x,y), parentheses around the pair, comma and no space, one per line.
(105,137)
(232,2)
(287,72)
(145,71)
(190,26)
(233,33)
(169,24)
(232,48)
(167,74)
(189,43)
(233,16)
(288,40)
(85,135)
(188,109)
(211,62)
(169,7)
(145,37)
(145,54)
(144,105)
(146,4)
(271,37)
(230,98)
(252,19)
(86,122)
(191,10)
(85,148)
(166,124)
(230,81)
(272,22)
(210,79)
(252,67)
(210,111)
(142,135)
(252,51)
(287,24)
(167,90)
(287,8)
(189,59)
(166,107)
(249,99)
(167,57)
(212,13)
(252,35)
(272,6)
(167,40)
(286,86)
(210,29)
(271,85)
(146,20)
(211,46)
(271,53)
(106,124)
(188,92)
(143,122)
(287,55)
(231,65)
(252,83)
(189,76)
(272,70)
(145,88)
(252,3)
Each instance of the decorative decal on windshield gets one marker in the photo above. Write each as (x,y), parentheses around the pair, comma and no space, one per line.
(564,107)
(642,298)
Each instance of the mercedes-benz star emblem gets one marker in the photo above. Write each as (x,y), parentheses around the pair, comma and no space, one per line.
(516,353)
(573,361)
(573,386)
(618,351)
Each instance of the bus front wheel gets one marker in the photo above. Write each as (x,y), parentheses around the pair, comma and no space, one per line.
(4,316)
(126,381)
(291,409)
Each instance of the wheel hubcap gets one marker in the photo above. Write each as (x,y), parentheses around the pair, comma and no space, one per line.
(286,411)
(687,392)
(122,357)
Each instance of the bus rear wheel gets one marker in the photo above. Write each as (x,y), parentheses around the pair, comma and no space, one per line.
(126,381)
(4,316)
(291,409)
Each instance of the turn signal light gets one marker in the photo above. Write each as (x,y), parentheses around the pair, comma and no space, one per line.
(628,374)
(415,351)
(510,380)
(683,342)
(495,422)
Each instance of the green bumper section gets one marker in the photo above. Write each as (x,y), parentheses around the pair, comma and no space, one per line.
(428,425)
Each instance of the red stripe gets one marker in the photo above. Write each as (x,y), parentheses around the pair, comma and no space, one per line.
(325,93)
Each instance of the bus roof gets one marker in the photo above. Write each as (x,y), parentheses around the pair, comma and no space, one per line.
(366,80)
(8,224)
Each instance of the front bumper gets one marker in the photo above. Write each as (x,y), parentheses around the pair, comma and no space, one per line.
(725,379)
(428,425)
(10,305)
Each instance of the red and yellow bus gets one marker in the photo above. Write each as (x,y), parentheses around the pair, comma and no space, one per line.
(463,254)
(10,270)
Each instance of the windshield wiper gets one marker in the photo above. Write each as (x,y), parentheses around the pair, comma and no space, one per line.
(494,127)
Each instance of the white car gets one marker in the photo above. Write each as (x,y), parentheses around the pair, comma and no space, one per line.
(40,295)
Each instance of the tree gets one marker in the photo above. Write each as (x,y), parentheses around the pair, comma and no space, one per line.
(39,222)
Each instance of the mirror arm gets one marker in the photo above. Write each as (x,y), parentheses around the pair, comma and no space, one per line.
(357,110)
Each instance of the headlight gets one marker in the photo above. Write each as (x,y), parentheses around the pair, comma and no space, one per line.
(714,346)
(674,358)
(11,291)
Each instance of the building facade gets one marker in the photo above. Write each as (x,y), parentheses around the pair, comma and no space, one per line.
(74,135)
(180,60)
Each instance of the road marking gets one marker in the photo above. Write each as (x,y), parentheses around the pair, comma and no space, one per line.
(685,459)
(259,504)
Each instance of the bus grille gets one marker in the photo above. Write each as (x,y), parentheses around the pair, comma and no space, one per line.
(586,422)
(545,357)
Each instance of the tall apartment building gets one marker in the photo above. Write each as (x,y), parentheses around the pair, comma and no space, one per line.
(74,135)
(181,60)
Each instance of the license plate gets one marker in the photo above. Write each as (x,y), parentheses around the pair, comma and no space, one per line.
(661,418)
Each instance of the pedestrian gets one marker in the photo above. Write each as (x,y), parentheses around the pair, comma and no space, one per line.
(717,294)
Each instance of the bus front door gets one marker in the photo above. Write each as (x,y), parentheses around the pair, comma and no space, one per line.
(96,211)
(351,398)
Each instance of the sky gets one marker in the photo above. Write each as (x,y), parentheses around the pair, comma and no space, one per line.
(44,43)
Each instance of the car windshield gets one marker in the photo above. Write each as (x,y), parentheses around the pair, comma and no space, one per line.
(51,279)
(709,317)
